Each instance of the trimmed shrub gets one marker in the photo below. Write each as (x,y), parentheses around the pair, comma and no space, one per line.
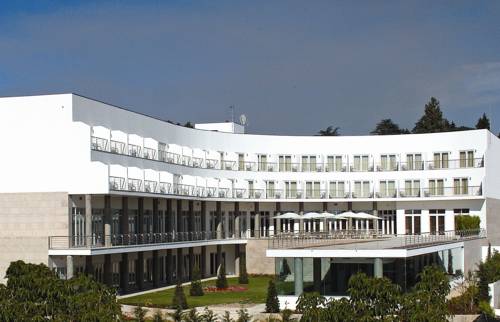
(196,289)
(179,300)
(272,303)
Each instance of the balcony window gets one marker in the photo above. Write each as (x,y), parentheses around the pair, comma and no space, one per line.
(436,218)
(149,153)
(360,163)
(150,186)
(413,162)
(460,186)
(291,189)
(441,160)
(412,221)
(162,148)
(117,147)
(388,162)
(334,163)
(262,164)
(466,159)
(412,189)
(134,184)
(285,163)
(116,183)
(313,189)
(270,192)
(361,189)
(336,189)
(387,189)
(436,187)
(241,162)
(309,163)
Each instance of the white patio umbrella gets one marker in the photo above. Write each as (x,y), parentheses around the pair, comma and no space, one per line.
(313,215)
(328,215)
(288,215)
(356,215)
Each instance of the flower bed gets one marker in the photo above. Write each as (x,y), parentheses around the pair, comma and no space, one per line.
(213,289)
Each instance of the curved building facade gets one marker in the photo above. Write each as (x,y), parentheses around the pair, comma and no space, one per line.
(139,202)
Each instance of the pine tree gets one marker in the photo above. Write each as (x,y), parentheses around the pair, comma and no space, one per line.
(196,288)
(221,278)
(387,127)
(272,303)
(432,121)
(179,300)
(243,278)
(483,122)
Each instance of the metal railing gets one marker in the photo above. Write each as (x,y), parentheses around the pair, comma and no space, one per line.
(368,239)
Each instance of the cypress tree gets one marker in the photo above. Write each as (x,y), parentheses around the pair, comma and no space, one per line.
(272,303)
(179,300)
(221,278)
(196,289)
(243,278)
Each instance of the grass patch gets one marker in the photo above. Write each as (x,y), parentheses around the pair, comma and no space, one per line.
(256,293)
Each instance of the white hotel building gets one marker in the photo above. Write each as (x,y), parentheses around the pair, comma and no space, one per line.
(138,202)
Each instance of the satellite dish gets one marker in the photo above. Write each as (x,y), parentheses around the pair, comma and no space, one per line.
(243,119)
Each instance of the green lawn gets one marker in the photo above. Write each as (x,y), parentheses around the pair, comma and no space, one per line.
(256,293)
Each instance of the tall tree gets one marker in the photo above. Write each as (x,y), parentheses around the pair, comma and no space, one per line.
(330,131)
(483,122)
(387,127)
(432,121)
(272,303)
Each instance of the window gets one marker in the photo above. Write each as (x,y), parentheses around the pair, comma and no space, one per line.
(334,163)
(290,189)
(115,278)
(441,160)
(241,162)
(162,154)
(361,189)
(387,189)
(336,189)
(388,162)
(436,187)
(262,164)
(78,226)
(285,163)
(312,189)
(413,162)
(270,192)
(412,221)
(412,188)
(360,163)
(460,186)
(436,217)
(466,159)
(309,163)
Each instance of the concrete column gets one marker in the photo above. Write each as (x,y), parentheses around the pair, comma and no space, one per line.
(226,225)
(124,273)
(169,268)
(257,220)
(108,272)
(349,221)
(88,219)
(156,217)
(70,270)
(139,271)
(237,259)
(317,274)
(218,221)
(203,260)
(156,269)
(301,213)
(89,268)
(249,226)
(277,226)
(191,263)
(326,228)
(107,220)
(180,262)
(378,267)
(375,213)
(237,233)
(299,276)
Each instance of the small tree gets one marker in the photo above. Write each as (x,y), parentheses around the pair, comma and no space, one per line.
(243,278)
(272,303)
(330,131)
(192,316)
(221,277)
(158,316)
(208,315)
(196,288)
(286,315)
(243,315)
(179,300)
(176,316)
(139,314)
(388,127)
(226,317)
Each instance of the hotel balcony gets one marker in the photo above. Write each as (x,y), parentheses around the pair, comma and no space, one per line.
(167,188)
(320,165)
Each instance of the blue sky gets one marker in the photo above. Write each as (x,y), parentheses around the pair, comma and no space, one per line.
(293,67)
